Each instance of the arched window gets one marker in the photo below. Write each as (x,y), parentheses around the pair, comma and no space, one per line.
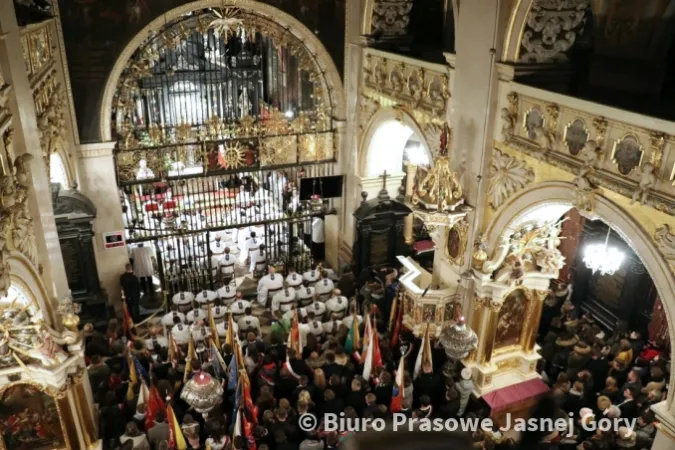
(57,170)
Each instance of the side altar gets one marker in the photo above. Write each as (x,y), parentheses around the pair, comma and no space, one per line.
(509,292)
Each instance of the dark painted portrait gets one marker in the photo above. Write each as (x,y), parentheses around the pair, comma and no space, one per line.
(511,319)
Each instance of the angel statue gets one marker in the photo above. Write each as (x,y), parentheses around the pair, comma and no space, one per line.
(24,231)
(647,180)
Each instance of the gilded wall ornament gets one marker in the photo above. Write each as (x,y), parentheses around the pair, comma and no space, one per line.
(627,154)
(227,23)
(279,150)
(576,136)
(551,30)
(432,134)
(658,144)
(391,17)
(665,241)
(507,176)
(509,116)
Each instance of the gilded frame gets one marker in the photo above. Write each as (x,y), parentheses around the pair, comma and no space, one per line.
(462,228)
(527,327)
(641,149)
(56,394)
(564,139)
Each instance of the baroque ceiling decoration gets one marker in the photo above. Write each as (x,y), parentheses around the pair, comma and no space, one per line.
(551,29)
(601,153)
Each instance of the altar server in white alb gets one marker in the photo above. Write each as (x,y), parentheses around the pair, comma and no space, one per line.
(196,314)
(206,298)
(219,311)
(294,279)
(221,327)
(168,318)
(239,307)
(324,287)
(337,305)
(284,299)
(226,263)
(269,285)
(253,247)
(180,333)
(183,300)
(305,294)
(318,308)
(259,260)
(315,325)
(249,322)
(227,292)
(312,276)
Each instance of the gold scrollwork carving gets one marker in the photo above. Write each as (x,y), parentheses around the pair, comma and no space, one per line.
(508,364)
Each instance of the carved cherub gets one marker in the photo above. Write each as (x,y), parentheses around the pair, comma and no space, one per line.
(589,157)
(22,169)
(647,180)
(584,194)
(7,191)
(508,124)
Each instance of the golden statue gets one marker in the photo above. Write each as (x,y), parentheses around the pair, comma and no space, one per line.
(440,190)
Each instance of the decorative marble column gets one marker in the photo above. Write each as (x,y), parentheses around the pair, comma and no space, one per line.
(97,175)
(665,430)
(26,139)
(410,171)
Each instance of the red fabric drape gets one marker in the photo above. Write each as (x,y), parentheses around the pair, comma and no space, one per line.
(658,327)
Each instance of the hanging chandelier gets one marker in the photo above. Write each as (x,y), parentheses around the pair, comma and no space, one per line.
(602,258)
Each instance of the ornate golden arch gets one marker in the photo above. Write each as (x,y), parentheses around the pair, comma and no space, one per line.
(632,232)
(325,65)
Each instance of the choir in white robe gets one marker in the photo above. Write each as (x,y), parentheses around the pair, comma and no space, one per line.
(305,295)
(324,287)
(249,323)
(294,280)
(168,319)
(337,305)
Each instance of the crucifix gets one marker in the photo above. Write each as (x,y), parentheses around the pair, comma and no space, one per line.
(384,180)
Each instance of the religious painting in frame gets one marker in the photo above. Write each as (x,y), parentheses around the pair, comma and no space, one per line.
(510,321)
(30,419)
(533,122)
(456,240)
(428,313)
(576,136)
(627,154)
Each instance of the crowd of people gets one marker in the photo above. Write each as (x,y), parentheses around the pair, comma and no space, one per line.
(592,374)
(595,374)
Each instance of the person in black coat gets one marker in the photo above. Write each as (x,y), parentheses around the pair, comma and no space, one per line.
(450,407)
(111,420)
(629,408)
(598,366)
(131,286)
(285,386)
(331,404)
(331,367)
(383,390)
(298,365)
(356,398)
(428,383)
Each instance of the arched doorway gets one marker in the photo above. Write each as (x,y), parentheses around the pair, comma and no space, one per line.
(546,202)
